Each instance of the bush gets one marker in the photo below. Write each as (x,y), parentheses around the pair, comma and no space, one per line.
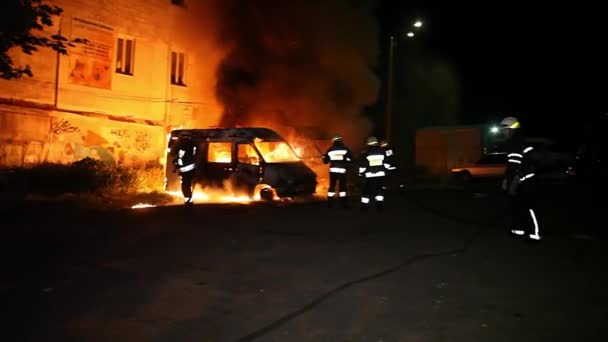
(84,176)
(149,178)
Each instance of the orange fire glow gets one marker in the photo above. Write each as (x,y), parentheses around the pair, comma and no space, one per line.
(225,194)
(220,152)
(213,196)
(276,151)
(313,160)
(143,205)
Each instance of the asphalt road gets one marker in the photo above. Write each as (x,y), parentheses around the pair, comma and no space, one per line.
(437,265)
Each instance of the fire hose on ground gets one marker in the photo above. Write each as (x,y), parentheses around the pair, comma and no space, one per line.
(389,270)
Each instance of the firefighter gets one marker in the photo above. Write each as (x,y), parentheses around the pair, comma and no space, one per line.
(518,182)
(389,154)
(185,163)
(389,160)
(339,157)
(373,168)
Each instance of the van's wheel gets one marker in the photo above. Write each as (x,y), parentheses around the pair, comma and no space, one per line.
(264,192)
(267,194)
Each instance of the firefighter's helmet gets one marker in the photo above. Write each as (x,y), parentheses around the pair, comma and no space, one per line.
(336,137)
(384,143)
(509,122)
(372,141)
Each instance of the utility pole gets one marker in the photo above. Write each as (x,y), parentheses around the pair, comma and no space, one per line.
(388,115)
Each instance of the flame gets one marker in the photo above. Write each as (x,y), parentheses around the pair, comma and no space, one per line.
(213,196)
(143,205)
(314,161)
(220,152)
(225,194)
(276,151)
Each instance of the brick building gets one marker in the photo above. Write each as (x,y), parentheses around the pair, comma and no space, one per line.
(149,67)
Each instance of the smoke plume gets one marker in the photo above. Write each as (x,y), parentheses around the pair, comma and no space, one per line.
(297,63)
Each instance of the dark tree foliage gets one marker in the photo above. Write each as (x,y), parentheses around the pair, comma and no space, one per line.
(21,25)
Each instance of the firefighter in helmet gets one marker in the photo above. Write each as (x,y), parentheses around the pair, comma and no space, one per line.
(185,164)
(373,169)
(519,179)
(338,156)
(390,162)
(389,154)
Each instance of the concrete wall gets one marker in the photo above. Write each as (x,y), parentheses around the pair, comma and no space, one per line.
(32,136)
(85,81)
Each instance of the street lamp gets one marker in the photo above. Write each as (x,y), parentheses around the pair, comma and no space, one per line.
(389,92)
(494,130)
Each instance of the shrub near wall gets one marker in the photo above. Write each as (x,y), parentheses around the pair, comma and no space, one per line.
(84,176)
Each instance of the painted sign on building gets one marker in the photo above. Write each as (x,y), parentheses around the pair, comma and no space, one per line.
(91,63)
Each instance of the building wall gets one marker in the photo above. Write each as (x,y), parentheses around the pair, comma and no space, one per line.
(84,89)
(440,149)
(62,137)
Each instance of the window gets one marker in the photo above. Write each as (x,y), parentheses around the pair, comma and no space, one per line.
(276,152)
(178,61)
(178,2)
(219,152)
(247,155)
(125,55)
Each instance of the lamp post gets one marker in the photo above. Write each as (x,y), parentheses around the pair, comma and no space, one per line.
(388,115)
(389,92)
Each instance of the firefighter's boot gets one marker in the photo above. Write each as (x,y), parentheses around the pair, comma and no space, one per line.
(344,202)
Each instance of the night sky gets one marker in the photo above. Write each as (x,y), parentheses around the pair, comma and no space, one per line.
(547,65)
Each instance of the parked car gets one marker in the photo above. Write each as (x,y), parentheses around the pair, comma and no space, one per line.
(493,166)
(490,166)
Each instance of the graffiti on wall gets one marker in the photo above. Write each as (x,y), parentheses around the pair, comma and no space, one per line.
(74,137)
(62,126)
(112,142)
(142,141)
(120,133)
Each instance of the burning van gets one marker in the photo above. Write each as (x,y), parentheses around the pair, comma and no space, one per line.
(255,160)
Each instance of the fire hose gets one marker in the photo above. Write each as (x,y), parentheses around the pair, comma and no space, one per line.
(370,277)
(324,297)
(389,270)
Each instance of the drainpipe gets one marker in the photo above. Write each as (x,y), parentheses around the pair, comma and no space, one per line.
(58,60)
(166,130)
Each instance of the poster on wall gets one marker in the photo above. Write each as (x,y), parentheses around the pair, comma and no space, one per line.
(91,63)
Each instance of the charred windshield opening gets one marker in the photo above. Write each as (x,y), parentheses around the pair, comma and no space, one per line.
(276,152)
(306,149)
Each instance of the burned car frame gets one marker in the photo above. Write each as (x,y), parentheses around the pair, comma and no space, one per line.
(255,160)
